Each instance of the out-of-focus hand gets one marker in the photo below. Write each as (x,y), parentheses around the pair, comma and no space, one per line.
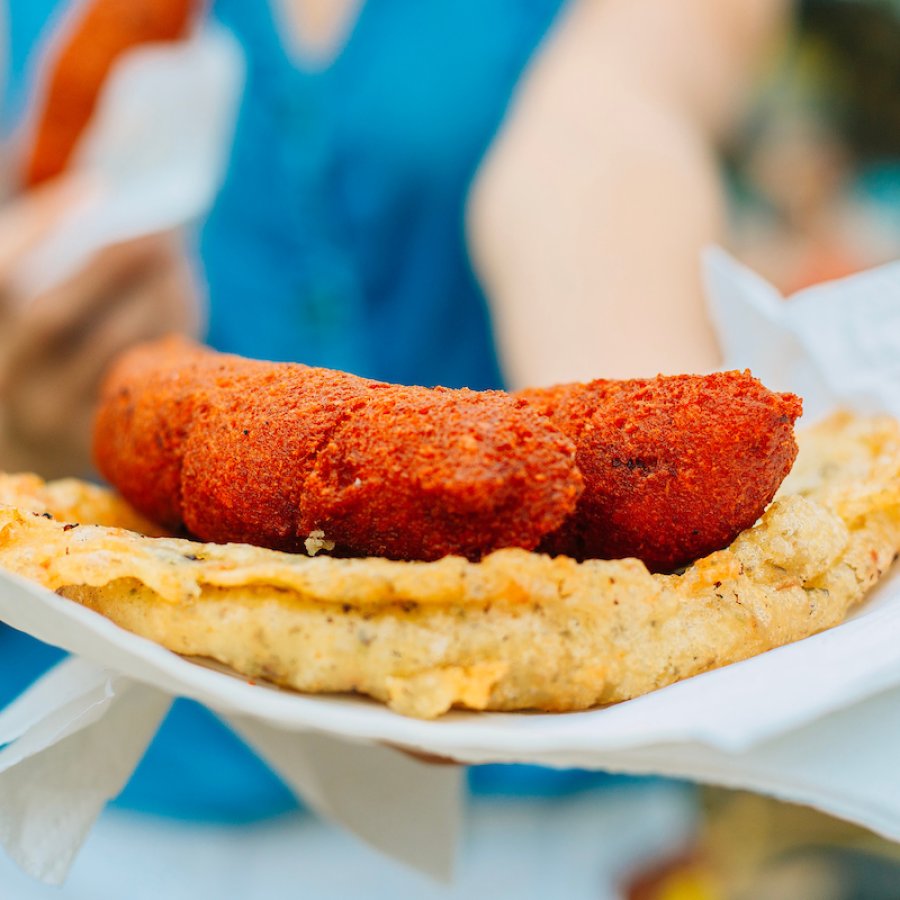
(55,347)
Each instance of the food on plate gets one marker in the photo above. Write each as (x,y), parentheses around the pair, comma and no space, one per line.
(100,32)
(665,469)
(674,467)
(517,630)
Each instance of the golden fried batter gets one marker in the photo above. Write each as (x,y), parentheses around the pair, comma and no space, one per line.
(518,630)
(73,500)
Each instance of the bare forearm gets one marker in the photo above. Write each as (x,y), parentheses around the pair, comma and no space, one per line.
(589,215)
(593,269)
(699,56)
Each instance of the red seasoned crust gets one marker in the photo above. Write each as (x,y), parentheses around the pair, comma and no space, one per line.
(266,453)
(665,469)
(675,467)
(148,408)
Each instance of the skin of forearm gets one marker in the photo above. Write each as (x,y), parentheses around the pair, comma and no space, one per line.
(589,248)
(700,56)
(589,213)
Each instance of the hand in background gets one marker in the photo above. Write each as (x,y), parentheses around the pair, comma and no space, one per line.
(55,347)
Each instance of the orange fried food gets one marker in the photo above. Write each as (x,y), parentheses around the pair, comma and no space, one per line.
(270,454)
(666,469)
(674,467)
(103,31)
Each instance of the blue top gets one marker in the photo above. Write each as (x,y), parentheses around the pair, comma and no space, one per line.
(337,240)
(338,236)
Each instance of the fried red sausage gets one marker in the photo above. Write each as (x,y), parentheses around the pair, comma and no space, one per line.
(239,450)
(665,469)
(674,467)
(148,407)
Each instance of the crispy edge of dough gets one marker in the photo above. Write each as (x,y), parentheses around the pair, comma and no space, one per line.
(518,630)
(73,501)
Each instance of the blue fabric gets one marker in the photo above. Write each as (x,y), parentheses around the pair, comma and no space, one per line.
(878,186)
(337,240)
(340,225)
(535,781)
(28,23)
(197,769)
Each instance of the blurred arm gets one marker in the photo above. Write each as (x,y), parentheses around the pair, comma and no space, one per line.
(55,347)
(589,213)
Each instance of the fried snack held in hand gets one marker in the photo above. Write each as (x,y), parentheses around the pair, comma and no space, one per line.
(274,454)
(664,470)
(515,631)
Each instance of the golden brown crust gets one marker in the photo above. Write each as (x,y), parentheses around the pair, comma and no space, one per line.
(71,500)
(516,631)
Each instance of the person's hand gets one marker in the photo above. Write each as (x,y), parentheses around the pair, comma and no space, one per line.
(54,348)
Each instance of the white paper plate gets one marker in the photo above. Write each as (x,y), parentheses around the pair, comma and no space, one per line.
(731,708)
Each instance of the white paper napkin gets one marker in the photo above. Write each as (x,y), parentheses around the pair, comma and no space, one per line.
(72,743)
(74,738)
(155,151)
(835,344)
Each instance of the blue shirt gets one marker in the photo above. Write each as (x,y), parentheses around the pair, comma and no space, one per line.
(337,240)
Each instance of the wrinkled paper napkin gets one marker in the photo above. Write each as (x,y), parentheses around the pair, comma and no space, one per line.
(153,155)
(815,722)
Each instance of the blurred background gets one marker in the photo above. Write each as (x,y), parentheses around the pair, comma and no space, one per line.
(413,208)
(813,168)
